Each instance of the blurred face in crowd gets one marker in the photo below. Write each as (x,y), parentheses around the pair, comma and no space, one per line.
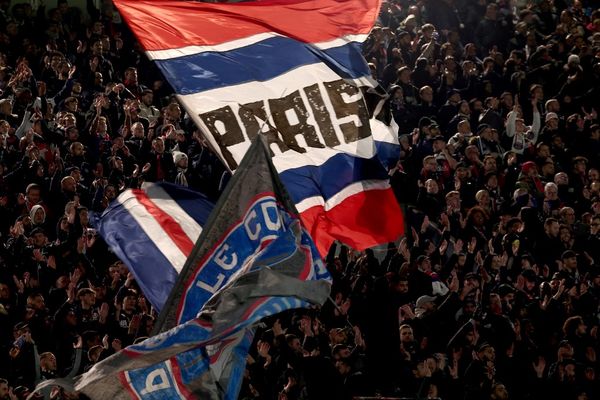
(464,127)
(4,127)
(406,335)
(102,126)
(551,191)
(71,104)
(463,108)
(429,164)
(507,101)
(138,130)
(553,106)
(565,235)
(471,50)
(580,167)
(595,226)
(131,75)
(158,145)
(39,239)
(69,184)
(478,218)
(84,216)
(472,153)
(483,197)
(88,300)
(427,94)
(33,195)
(97,48)
(48,362)
(3,390)
(4,291)
(69,120)
(438,146)
(425,267)
(492,182)
(148,99)
(561,178)
(173,112)
(489,164)
(538,93)
(543,151)
(453,201)
(552,124)
(36,302)
(129,303)
(39,216)
(98,79)
(568,215)
(110,192)
(404,76)
(77,149)
(431,186)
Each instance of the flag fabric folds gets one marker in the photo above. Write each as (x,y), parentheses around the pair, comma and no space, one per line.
(253,259)
(153,230)
(293,71)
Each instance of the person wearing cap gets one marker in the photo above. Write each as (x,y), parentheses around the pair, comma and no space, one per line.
(569,264)
(551,127)
(180,159)
(447,163)
(480,374)
(408,89)
(451,107)
(428,129)
(425,304)
(486,142)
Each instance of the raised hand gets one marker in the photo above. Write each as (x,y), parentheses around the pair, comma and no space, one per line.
(539,366)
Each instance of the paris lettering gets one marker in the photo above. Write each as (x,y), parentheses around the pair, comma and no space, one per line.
(290,117)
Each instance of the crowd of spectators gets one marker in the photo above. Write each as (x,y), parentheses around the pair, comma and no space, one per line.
(494,291)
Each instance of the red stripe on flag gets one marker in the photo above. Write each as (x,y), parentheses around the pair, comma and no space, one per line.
(125,382)
(362,220)
(169,225)
(168,24)
(181,387)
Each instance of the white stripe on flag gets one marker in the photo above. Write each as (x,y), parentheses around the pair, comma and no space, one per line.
(275,88)
(247,41)
(350,190)
(153,229)
(199,103)
(163,201)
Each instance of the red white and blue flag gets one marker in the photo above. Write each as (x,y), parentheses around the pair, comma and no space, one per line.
(153,231)
(253,259)
(293,71)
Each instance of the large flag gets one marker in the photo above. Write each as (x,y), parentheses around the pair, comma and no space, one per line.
(153,230)
(293,71)
(253,259)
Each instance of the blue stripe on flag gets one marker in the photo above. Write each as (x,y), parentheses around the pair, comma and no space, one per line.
(331,177)
(261,61)
(130,243)
(195,204)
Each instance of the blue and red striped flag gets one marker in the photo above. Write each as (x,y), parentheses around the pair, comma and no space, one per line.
(293,71)
(153,231)
(253,259)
